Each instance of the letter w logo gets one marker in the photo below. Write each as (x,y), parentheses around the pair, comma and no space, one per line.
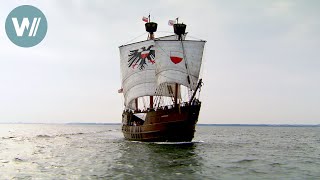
(26,25)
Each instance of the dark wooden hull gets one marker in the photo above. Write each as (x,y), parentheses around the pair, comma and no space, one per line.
(163,125)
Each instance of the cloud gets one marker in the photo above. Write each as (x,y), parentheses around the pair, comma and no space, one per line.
(261,59)
(279,8)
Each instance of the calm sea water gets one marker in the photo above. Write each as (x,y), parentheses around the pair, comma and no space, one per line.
(37,151)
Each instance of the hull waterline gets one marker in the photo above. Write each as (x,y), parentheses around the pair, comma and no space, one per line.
(162,125)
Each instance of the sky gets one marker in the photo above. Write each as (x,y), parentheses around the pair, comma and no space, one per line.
(261,60)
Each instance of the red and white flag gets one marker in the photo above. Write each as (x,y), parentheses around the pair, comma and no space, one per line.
(145,19)
(171,22)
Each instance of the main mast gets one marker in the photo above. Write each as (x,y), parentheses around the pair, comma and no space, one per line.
(179,30)
(151,27)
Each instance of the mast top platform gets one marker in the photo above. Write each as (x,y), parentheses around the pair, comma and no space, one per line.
(151,27)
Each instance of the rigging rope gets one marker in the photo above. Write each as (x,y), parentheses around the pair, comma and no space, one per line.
(186,63)
(136,38)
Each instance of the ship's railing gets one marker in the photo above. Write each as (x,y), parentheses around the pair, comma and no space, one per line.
(167,107)
(133,121)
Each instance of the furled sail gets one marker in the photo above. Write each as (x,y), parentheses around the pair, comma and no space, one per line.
(178,62)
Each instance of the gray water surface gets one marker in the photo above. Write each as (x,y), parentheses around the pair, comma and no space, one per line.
(39,151)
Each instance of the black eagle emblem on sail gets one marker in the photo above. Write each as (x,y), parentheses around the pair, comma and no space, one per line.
(137,58)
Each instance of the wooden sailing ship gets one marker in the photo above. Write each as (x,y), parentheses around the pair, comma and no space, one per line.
(161,85)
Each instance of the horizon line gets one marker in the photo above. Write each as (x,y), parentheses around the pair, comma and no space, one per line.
(200,124)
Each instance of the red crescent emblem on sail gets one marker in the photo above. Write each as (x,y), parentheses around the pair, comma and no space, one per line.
(176,60)
(176,57)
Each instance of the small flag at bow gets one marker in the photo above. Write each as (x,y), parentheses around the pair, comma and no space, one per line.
(171,22)
(145,19)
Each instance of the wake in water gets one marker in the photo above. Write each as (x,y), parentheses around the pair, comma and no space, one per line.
(168,143)
(176,143)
